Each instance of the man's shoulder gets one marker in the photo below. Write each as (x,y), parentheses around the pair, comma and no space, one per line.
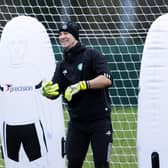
(92,53)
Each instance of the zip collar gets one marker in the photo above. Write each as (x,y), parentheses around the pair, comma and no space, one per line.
(72,54)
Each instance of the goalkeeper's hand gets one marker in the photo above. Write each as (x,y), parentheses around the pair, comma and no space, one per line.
(73,89)
(49,89)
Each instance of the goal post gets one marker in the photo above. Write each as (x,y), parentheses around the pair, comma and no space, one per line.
(118,29)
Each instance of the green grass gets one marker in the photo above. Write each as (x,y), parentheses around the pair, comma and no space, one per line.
(1,162)
(124,139)
(124,146)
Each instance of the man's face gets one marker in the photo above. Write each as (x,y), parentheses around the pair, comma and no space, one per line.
(67,40)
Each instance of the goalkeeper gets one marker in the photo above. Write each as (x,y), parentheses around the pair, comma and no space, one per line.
(83,78)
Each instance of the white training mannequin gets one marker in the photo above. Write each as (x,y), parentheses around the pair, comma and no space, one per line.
(152,101)
(27,58)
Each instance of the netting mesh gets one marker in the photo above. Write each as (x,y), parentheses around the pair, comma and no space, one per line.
(118,29)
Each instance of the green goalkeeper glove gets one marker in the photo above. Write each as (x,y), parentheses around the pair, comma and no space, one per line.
(73,89)
(49,89)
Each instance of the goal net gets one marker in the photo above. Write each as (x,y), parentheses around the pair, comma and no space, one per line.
(117,28)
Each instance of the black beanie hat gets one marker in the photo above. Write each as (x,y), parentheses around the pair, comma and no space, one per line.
(70,27)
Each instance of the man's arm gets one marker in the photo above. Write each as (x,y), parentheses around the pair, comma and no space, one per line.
(100,81)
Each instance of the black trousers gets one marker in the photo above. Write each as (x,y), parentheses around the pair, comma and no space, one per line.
(81,135)
(25,134)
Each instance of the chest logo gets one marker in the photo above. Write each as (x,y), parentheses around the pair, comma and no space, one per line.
(64,71)
(80,66)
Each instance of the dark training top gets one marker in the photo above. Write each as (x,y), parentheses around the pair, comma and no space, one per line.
(81,63)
